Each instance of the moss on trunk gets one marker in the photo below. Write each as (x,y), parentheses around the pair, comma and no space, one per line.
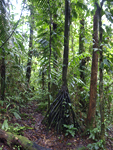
(25,143)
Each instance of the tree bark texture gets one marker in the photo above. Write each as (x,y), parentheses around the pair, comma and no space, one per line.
(101,78)
(30,53)
(66,43)
(94,70)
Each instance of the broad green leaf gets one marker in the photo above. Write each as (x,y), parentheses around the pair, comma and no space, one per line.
(5,125)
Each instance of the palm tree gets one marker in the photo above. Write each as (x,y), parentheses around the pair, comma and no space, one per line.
(60,112)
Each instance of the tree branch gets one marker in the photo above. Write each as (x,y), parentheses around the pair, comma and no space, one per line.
(102,3)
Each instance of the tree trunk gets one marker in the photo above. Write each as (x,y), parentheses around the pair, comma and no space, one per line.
(81,49)
(66,44)
(3,75)
(13,139)
(30,53)
(54,86)
(101,76)
(3,37)
(94,70)
(49,72)
(43,79)
(83,104)
(60,111)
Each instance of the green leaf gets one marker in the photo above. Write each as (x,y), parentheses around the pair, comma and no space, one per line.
(39,23)
(69,104)
(74,14)
(5,125)
(71,132)
(96,146)
(16,115)
(69,143)
(106,62)
(81,6)
(109,16)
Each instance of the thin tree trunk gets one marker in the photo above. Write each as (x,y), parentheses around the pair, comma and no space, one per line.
(3,37)
(94,70)
(101,93)
(30,53)
(54,87)
(3,75)
(66,43)
(82,64)
(60,112)
(49,73)
(43,79)
(101,77)
(81,49)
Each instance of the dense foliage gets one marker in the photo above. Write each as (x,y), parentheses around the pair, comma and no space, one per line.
(32,60)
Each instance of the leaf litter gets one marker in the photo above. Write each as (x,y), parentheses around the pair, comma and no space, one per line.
(35,131)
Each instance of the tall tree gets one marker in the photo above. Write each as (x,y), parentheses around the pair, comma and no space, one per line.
(3,23)
(30,53)
(60,111)
(82,61)
(54,87)
(49,72)
(81,49)
(101,74)
(66,45)
(3,74)
(94,70)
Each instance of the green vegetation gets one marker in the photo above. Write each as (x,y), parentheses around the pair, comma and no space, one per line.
(57,56)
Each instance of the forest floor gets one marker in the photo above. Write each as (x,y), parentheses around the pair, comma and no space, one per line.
(35,131)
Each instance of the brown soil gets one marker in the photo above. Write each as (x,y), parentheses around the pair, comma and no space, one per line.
(38,133)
